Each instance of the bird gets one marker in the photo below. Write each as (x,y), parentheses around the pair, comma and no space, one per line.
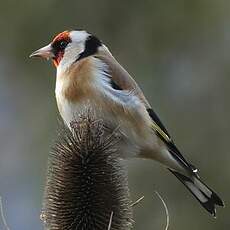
(87,74)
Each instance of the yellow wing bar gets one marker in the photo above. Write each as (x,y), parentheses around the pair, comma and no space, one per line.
(157,129)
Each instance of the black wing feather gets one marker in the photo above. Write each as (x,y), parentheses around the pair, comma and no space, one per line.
(156,119)
(114,85)
(169,143)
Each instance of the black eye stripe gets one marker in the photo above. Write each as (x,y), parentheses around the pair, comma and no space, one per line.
(63,44)
(59,46)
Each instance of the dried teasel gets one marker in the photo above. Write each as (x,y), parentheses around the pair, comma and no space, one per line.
(86,180)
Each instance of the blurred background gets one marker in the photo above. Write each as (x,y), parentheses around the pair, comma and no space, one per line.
(179,53)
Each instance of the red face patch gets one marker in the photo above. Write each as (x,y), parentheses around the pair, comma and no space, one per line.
(61,36)
(59,44)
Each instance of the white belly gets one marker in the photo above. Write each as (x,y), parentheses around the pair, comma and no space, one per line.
(121,110)
(133,140)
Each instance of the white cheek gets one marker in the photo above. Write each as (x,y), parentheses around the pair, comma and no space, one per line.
(71,54)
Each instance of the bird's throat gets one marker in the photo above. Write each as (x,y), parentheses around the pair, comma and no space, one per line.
(57,59)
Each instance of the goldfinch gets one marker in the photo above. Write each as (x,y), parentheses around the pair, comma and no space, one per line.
(88,75)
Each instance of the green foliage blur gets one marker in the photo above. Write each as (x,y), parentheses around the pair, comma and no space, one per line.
(179,53)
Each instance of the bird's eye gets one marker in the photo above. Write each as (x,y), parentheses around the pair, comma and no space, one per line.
(63,44)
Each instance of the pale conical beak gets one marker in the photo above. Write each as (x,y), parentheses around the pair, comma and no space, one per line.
(44,52)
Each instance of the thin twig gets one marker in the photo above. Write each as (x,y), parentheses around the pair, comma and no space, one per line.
(2,215)
(166,210)
(137,201)
(110,221)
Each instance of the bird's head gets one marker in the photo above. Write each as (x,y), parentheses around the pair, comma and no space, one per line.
(68,47)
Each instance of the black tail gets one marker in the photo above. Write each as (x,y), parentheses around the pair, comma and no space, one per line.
(207,198)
